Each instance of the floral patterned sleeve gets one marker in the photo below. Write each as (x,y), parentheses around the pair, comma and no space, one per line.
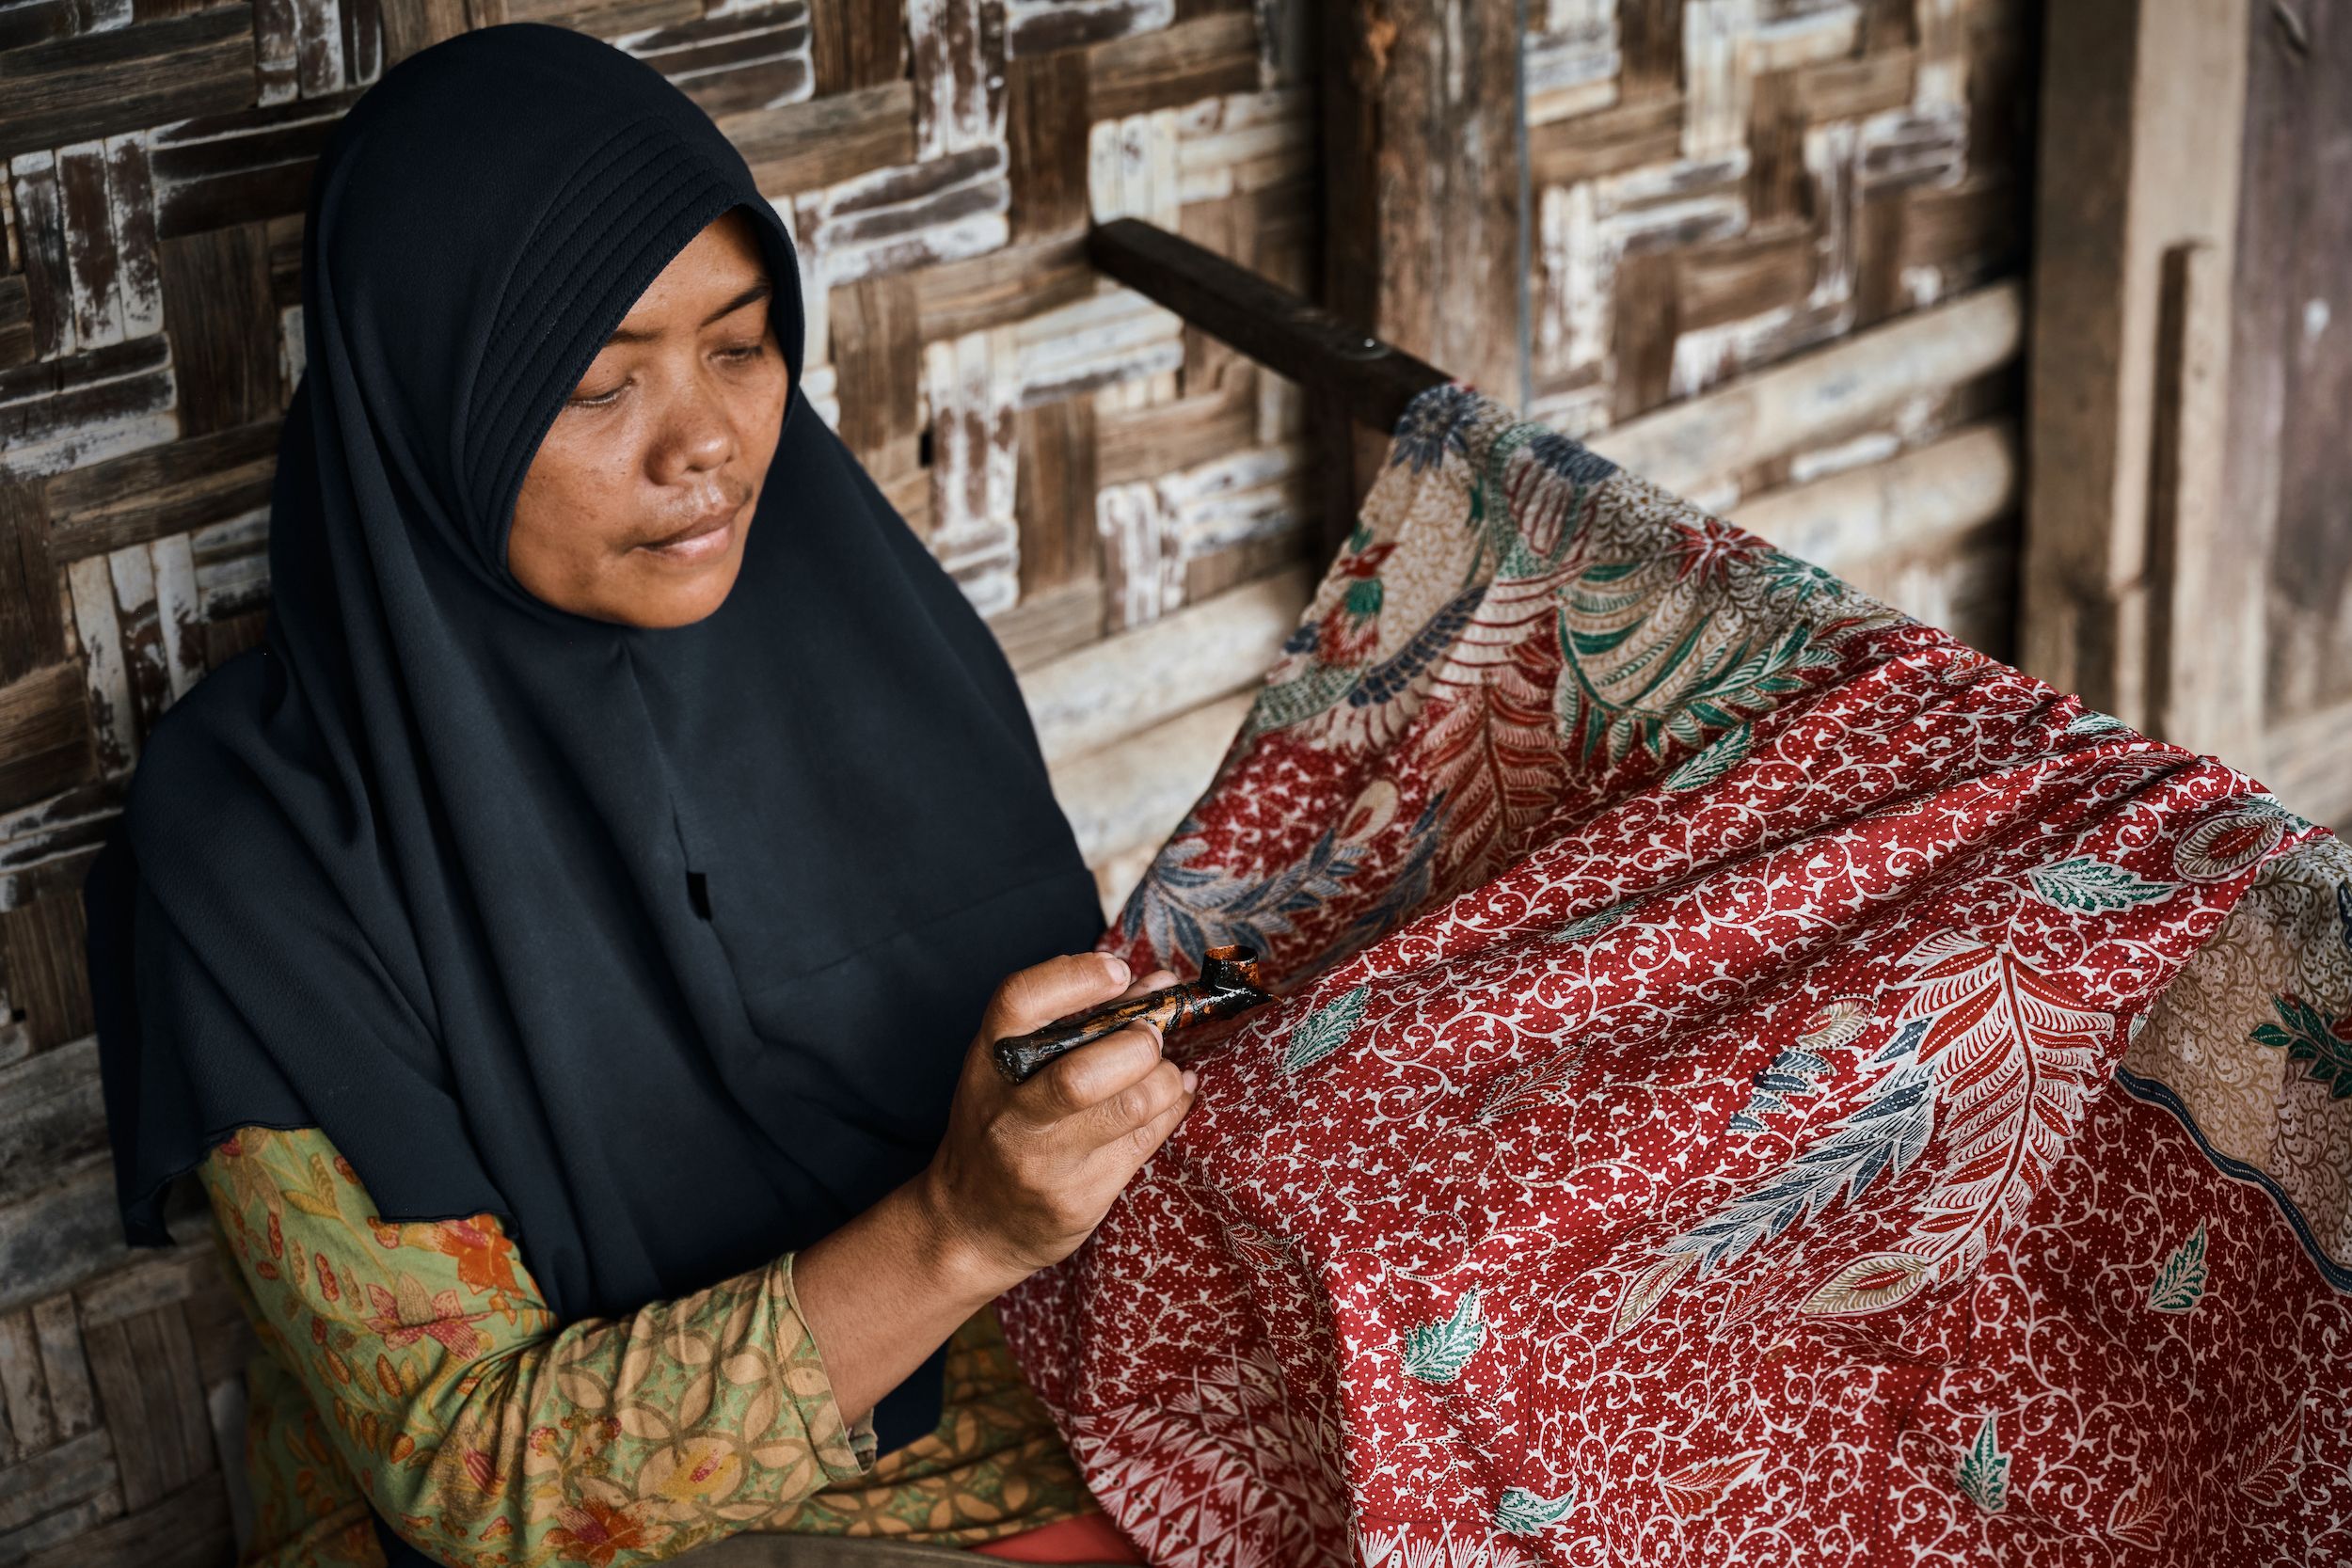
(486,1433)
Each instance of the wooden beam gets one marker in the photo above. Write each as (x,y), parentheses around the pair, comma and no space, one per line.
(1422,157)
(1817,396)
(1132,794)
(1925,502)
(1373,380)
(1128,683)
(2140,155)
(2310,765)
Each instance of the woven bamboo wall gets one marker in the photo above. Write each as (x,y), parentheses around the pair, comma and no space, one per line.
(1757,232)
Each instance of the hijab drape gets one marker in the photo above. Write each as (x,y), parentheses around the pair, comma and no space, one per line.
(662,945)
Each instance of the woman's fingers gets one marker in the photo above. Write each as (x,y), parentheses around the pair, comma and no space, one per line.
(1138,1105)
(1078,1081)
(1029,998)
(1149,983)
(1139,1144)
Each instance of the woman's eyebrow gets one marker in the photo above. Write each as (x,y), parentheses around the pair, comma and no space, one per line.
(757,290)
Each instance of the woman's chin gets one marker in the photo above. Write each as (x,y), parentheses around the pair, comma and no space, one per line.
(672,586)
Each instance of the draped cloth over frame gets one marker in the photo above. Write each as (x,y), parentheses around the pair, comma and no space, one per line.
(416,870)
(1759,1082)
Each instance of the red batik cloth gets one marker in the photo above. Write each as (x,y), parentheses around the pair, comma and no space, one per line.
(1757,1081)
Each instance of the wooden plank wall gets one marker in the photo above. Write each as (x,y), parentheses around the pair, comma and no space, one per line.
(1771,249)
(1717,196)
(2287,469)
(2189,566)
(1770,240)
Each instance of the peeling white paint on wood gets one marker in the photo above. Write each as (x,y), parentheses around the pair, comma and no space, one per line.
(1283,41)
(277,50)
(1242,142)
(974,389)
(1113,337)
(131,209)
(1809,38)
(41,223)
(89,414)
(318,47)
(1718,75)
(1142,555)
(1835,391)
(1575,277)
(911,215)
(1570,64)
(292,353)
(1129,681)
(1042,26)
(93,590)
(1913,147)
(1582,231)
(820,385)
(180,610)
(1942,82)
(1150,529)
(958,53)
(92,262)
(1132,169)
(232,560)
(774,41)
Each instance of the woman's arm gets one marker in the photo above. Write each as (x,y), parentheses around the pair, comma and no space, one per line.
(478,1427)
(1023,1175)
(485,1432)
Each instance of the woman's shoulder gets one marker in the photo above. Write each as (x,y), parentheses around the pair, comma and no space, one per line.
(226,786)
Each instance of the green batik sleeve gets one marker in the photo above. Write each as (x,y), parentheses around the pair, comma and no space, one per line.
(488,1433)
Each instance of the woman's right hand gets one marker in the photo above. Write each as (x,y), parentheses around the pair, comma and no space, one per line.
(1026,1171)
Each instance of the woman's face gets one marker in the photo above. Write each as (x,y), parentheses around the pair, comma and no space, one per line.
(636,505)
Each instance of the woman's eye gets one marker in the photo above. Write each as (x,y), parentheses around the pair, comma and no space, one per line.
(745,355)
(601,398)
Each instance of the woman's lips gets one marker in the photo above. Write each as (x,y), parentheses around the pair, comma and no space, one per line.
(711,538)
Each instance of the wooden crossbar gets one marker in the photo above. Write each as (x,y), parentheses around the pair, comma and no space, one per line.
(1285,332)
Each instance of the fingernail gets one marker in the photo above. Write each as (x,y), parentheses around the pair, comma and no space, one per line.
(1118,967)
(1192,1080)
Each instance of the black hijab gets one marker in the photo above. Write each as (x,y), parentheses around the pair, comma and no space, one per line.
(663,945)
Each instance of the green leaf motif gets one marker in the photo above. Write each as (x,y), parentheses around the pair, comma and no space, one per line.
(2092,722)
(2180,1282)
(2309,1037)
(1984,1471)
(1325,1030)
(1438,1352)
(1592,925)
(1525,1512)
(1711,762)
(2088,885)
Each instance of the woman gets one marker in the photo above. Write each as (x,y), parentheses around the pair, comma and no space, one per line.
(559,946)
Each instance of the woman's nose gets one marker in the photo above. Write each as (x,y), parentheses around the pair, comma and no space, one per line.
(699,433)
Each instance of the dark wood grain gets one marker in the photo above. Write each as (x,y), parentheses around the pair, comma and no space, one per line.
(32,630)
(76,88)
(224,328)
(1373,380)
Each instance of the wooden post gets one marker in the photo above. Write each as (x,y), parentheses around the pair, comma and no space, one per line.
(1421,159)
(2141,112)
